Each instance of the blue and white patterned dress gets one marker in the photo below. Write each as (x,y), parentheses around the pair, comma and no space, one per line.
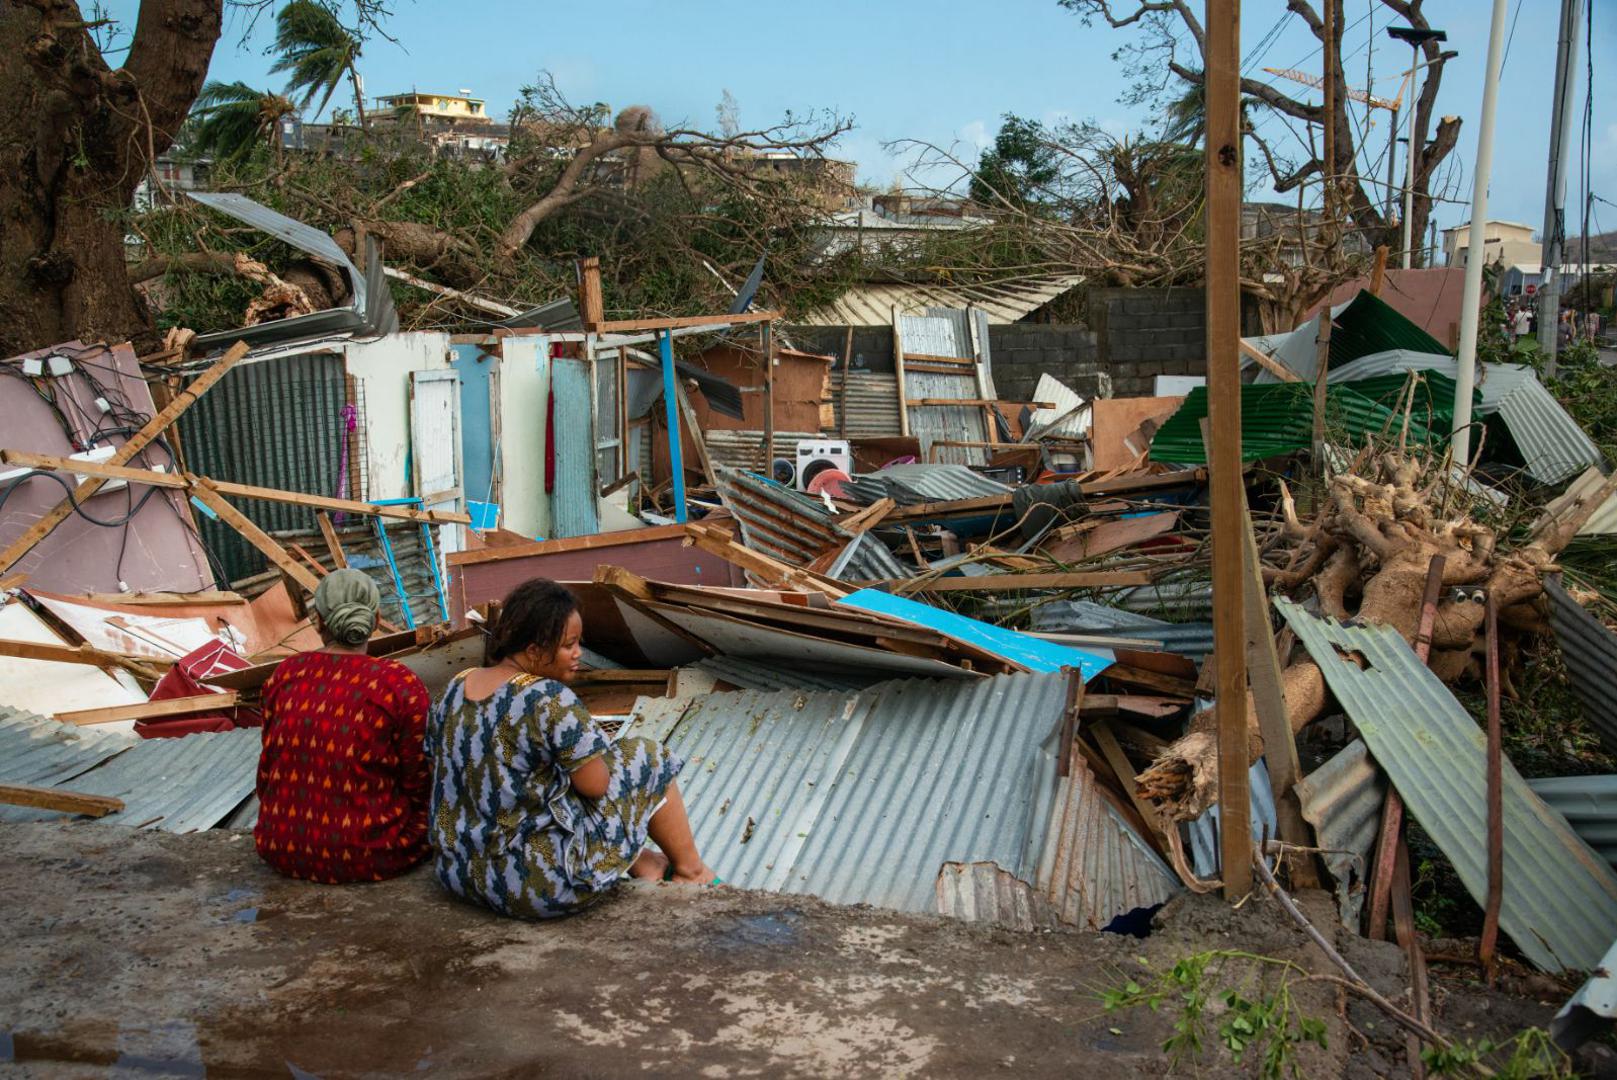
(506,827)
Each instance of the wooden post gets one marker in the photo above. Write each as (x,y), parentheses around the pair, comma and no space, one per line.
(1378,276)
(339,558)
(125,454)
(1223,285)
(591,306)
(766,343)
(847,368)
(898,366)
(1331,53)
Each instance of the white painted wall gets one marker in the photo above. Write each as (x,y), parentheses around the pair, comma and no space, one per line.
(383,366)
(524,400)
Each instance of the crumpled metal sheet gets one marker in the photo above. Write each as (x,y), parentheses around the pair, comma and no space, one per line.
(1592,1009)
(1590,652)
(777,521)
(40,752)
(1560,898)
(1342,800)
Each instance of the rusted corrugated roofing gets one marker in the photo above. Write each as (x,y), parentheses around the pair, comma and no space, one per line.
(1590,652)
(1007,301)
(782,523)
(864,797)
(1560,898)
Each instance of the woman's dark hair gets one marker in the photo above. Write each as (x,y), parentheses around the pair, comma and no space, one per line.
(535,613)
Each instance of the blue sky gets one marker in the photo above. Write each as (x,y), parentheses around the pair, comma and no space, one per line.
(943,71)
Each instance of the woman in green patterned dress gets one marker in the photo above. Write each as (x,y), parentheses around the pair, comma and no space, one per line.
(535,812)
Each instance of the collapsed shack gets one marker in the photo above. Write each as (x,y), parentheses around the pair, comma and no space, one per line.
(927,649)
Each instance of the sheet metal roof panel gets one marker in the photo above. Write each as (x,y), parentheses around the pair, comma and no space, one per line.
(41,752)
(1589,804)
(868,559)
(872,304)
(1560,898)
(1343,799)
(1277,418)
(747,674)
(1592,1009)
(1590,652)
(179,785)
(1194,639)
(777,520)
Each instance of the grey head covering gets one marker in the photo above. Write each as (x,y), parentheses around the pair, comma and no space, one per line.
(347,601)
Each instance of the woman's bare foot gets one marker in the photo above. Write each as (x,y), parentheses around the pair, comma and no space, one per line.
(700,874)
(649,865)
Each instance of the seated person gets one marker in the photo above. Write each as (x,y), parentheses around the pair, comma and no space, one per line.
(536,813)
(342,780)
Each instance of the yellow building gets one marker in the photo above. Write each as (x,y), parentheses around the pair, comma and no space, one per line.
(451,107)
(1508,242)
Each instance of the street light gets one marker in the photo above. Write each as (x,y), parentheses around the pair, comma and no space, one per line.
(1416,37)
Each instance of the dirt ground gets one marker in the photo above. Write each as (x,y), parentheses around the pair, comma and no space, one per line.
(139,953)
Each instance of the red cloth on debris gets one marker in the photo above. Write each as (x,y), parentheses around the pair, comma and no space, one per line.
(829,481)
(184,679)
(343,778)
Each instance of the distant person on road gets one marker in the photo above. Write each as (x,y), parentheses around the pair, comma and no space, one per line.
(1523,323)
(536,812)
(342,778)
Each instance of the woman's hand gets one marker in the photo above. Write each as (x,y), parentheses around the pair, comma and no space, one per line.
(591,778)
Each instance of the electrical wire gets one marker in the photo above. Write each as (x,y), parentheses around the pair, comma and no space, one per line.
(14,483)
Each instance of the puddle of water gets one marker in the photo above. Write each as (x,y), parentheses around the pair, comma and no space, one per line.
(7,1051)
(246,915)
(169,1049)
(769,931)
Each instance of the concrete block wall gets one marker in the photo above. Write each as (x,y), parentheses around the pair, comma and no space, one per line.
(1143,333)
(1023,351)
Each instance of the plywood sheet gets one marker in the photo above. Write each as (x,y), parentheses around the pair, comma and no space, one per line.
(1113,420)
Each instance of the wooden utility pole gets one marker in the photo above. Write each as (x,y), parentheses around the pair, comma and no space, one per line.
(1223,287)
(1332,53)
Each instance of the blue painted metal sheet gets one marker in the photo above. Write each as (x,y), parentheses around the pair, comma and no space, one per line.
(476,369)
(1019,648)
(575,508)
(676,452)
(1560,897)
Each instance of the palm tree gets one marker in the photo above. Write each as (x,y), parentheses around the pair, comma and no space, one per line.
(318,51)
(231,118)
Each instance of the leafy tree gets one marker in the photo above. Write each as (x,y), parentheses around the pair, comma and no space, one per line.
(1019,168)
(231,119)
(318,52)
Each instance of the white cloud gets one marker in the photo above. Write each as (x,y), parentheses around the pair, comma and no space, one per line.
(976,134)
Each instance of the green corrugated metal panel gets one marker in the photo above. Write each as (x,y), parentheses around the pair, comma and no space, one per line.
(276,424)
(1434,396)
(1371,325)
(1277,418)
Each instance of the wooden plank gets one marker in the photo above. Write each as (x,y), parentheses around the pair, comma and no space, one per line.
(689,415)
(151,710)
(1112,751)
(313,563)
(591,306)
(1015,582)
(898,367)
(627,325)
(1322,363)
(339,558)
(1378,276)
(1270,364)
(770,570)
(964,363)
(107,471)
(123,455)
(69,802)
(766,345)
(255,536)
(573,543)
(82,654)
(847,366)
(981,403)
(1223,292)
(868,518)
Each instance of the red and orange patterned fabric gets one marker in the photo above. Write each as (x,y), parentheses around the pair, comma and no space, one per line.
(342,780)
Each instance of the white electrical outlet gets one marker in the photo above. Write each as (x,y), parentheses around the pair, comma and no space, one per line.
(59,366)
(33,367)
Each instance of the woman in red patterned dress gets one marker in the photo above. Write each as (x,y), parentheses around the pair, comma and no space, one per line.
(343,777)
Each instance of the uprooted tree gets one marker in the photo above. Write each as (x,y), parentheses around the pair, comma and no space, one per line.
(1366,554)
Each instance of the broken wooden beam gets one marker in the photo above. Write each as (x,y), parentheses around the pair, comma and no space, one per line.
(68,802)
(152,710)
(210,496)
(1015,582)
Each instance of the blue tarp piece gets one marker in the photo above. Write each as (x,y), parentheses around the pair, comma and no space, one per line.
(1031,652)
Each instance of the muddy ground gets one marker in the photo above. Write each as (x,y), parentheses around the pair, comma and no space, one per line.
(140,953)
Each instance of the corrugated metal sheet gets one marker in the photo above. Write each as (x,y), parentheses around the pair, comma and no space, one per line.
(1203,831)
(174,785)
(1589,804)
(868,559)
(299,409)
(862,798)
(1277,418)
(776,520)
(945,331)
(1551,443)
(41,752)
(1093,867)
(1002,302)
(1592,1009)
(983,892)
(363,549)
(1602,522)
(1361,327)
(1342,799)
(575,499)
(1194,640)
(745,449)
(1590,652)
(747,674)
(910,485)
(1068,419)
(871,406)
(1560,898)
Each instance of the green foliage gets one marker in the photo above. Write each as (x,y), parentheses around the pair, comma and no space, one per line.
(1528,1055)
(232,120)
(317,51)
(1243,999)
(1588,390)
(1019,168)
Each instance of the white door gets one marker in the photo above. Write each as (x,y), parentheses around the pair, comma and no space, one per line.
(435,447)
